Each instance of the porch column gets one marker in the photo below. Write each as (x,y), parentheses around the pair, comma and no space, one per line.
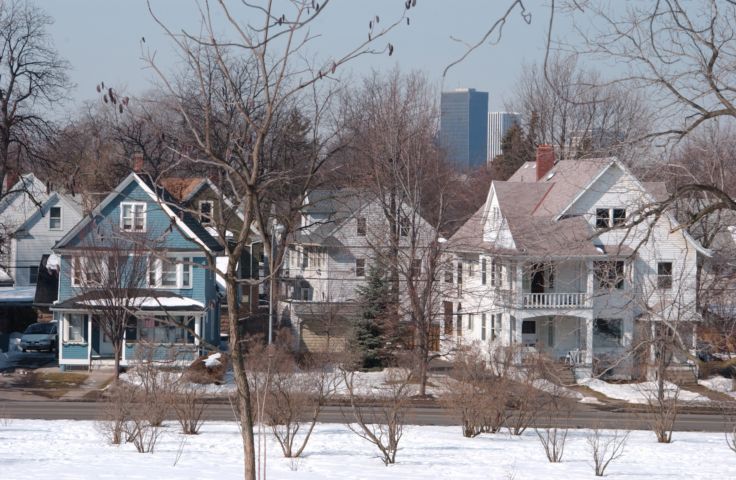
(197,330)
(89,339)
(518,320)
(589,282)
(519,285)
(589,339)
(628,331)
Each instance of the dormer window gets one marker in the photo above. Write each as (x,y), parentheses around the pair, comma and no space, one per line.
(361,227)
(206,207)
(55,218)
(133,217)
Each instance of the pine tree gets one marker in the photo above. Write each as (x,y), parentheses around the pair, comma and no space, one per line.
(374,298)
(516,149)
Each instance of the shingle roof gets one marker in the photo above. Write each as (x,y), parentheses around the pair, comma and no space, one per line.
(338,206)
(181,188)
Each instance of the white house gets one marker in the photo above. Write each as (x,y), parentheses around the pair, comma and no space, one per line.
(343,235)
(541,265)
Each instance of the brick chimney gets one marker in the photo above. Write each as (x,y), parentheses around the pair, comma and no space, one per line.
(545,160)
(138,162)
(11,178)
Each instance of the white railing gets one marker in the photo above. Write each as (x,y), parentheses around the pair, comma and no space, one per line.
(555,300)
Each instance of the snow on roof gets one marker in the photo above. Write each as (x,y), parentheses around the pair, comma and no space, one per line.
(53,262)
(213,360)
(148,302)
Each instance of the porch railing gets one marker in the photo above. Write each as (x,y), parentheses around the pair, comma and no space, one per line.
(555,300)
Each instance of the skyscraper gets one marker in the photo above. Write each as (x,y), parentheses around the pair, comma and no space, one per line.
(464,127)
(498,124)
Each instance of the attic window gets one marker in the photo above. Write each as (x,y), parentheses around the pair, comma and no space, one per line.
(55,218)
(205,211)
(133,217)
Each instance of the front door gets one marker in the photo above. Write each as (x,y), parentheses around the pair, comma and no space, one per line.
(101,343)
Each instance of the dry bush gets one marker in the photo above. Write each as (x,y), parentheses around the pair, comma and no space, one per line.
(187,401)
(156,382)
(5,418)
(116,411)
(526,400)
(729,421)
(662,410)
(199,372)
(381,425)
(552,436)
(605,448)
(292,396)
(140,431)
(475,395)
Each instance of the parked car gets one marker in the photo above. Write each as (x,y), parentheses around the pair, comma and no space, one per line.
(39,336)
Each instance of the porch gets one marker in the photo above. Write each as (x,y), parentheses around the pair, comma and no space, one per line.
(156,337)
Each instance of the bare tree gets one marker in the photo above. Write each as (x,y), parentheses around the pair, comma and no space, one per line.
(556,417)
(606,448)
(382,426)
(33,78)
(245,76)
(110,277)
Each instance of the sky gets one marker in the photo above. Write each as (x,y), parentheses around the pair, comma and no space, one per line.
(102,41)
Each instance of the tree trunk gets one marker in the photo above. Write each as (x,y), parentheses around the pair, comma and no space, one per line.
(117,347)
(245,411)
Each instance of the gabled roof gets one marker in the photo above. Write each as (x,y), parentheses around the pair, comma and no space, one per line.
(184,221)
(72,201)
(24,199)
(338,206)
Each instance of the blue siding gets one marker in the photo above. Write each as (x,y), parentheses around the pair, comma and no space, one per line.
(74,351)
(186,353)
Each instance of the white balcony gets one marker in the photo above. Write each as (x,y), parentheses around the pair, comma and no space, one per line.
(555,300)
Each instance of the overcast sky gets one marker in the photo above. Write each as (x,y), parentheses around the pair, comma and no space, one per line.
(101,40)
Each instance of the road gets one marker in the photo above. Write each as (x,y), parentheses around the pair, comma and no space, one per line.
(583,417)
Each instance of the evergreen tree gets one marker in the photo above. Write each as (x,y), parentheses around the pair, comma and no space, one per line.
(516,149)
(374,298)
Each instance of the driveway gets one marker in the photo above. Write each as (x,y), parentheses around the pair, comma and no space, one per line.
(29,360)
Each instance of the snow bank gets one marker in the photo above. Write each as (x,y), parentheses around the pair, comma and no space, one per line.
(213,360)
(65,449)
(639,392)
(719,384)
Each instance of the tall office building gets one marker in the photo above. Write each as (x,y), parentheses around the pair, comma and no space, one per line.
(498,124)
(464,127)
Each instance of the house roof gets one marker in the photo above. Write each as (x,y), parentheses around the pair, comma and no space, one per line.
(72,201)
(138,298)
(338,206)
(183,189)
(532,210)
(183,220)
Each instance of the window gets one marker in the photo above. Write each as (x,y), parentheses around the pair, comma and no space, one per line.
(607,332)
(459,277)
(85,271)
(157,330)
(601,218)
(609,217)
(470,269)
(483,271)
(494,272)
(360,267)
(361,226)
(529,327)
(170,273)
(496,325)
(206,207)
(55,218)
(470,321)
(459,320)
(619,216)
(609,275)
(416,268)
(133,217)
(404,225)
(448,274)
(33,275)
(483,326)
(664,275)
(74,328)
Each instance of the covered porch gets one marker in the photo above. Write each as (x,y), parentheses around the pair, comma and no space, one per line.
(577,341)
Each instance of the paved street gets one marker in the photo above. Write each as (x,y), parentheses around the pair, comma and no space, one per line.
(583,417)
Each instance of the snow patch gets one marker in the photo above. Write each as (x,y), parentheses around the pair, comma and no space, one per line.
(640,393)
(213,360)
(719,384)
(148,302)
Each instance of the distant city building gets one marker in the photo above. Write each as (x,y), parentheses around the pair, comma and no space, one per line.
(498,124)
(464,127)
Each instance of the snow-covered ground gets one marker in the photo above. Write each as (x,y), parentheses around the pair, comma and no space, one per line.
(719,384)
(639,392)
(65,449)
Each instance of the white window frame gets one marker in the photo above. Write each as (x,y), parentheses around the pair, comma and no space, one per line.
(67,329)
(133,206)
(211,216)
(183,265)
(362,268)
(61,217)
(79,279)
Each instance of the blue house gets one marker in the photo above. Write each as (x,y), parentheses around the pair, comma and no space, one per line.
(172,307)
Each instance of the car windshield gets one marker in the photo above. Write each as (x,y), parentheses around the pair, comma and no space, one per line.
(39,328)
